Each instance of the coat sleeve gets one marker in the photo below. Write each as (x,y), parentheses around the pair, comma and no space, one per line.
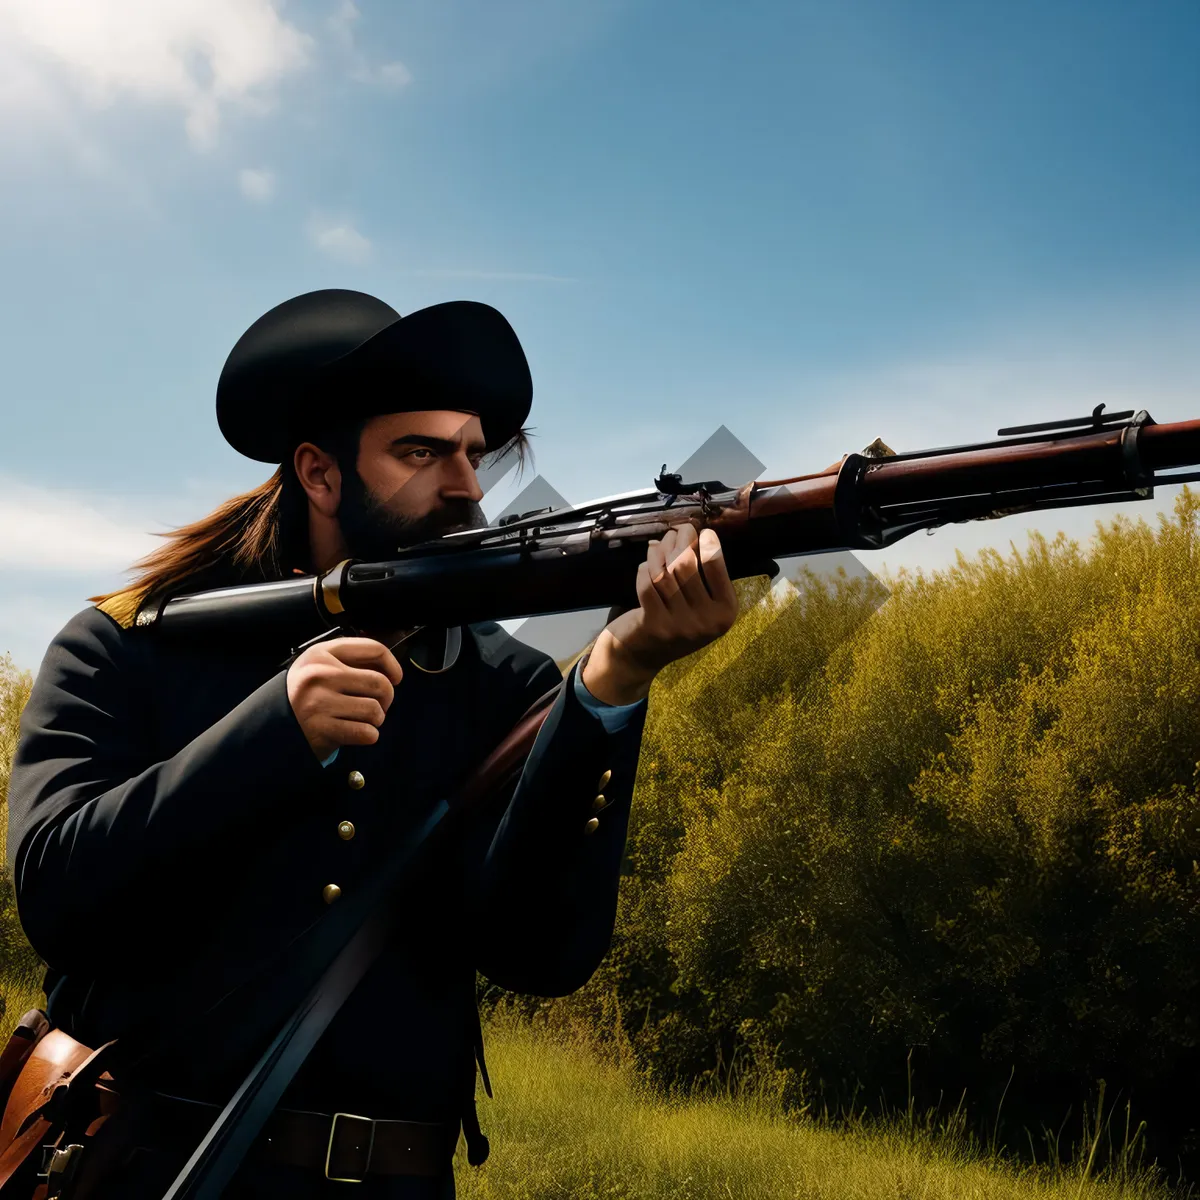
(102,838)
(543,902)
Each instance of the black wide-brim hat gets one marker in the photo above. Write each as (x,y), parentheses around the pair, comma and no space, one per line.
(331,356)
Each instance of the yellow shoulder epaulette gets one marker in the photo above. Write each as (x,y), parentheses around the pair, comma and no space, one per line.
(122,607)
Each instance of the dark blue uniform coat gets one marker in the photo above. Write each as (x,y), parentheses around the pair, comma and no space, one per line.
(172,835)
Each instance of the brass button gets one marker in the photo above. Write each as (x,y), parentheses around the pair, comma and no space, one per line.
(331,892)
(592,825)
(345,830)
(603,781)
(355,779)
(598,803)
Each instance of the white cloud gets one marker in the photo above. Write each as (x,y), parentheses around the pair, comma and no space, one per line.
(46,531)
(341,25)
(200,56)
(61,546)
(1134,353)
(1030,377)
(394,74)
(257,184)
(339,239)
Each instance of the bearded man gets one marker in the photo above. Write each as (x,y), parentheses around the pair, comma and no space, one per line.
(182,815)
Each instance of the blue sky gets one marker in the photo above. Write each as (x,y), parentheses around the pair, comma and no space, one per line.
(816,223)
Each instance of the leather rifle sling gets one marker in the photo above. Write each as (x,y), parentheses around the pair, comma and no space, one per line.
(214,1162)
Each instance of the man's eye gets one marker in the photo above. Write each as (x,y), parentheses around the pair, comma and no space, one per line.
(420,450)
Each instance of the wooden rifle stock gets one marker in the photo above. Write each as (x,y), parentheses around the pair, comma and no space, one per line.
(587,556)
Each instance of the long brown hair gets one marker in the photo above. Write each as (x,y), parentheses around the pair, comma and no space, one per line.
(257,536)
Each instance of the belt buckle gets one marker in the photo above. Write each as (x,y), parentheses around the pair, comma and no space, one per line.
(329,1149)
(58,1167)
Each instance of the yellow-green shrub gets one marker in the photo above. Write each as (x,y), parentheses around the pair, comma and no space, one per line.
(20,968)
(964,825)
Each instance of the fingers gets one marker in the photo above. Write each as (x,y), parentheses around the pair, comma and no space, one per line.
(353,681)
(366,652)
(352,733)
(338,679)
(686,567)
(686,583)
(716,573)
(357,709)
(340,692)
(340,720)
(675,568)
(648,595)
(670,571)
(659,573)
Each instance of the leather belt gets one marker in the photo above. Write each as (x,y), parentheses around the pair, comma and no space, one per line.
(348,1148)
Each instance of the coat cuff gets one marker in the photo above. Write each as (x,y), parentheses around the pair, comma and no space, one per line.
(614,717)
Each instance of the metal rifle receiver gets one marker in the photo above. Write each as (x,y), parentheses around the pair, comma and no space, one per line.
(673,485)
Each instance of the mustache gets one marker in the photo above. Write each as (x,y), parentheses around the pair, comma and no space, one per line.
(453,517)
(374,531)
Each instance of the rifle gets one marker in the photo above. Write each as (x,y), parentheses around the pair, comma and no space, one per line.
(587,557)
(582,557)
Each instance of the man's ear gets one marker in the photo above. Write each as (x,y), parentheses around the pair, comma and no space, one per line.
(319,476)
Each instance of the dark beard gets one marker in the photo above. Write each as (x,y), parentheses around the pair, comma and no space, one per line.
(373,533)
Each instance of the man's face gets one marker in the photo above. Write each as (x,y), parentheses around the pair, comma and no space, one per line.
(415,481)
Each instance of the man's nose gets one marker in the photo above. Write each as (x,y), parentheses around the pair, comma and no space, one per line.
(462,481)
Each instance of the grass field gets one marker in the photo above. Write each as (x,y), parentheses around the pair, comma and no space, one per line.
(564,1126)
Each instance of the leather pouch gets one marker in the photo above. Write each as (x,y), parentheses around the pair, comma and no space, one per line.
(57,1095)
(29,1031)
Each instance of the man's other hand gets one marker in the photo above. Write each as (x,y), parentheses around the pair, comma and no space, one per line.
(679,610)
(340,691)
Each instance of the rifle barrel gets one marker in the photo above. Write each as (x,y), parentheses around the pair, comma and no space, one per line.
(589,559)
(1165,447)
